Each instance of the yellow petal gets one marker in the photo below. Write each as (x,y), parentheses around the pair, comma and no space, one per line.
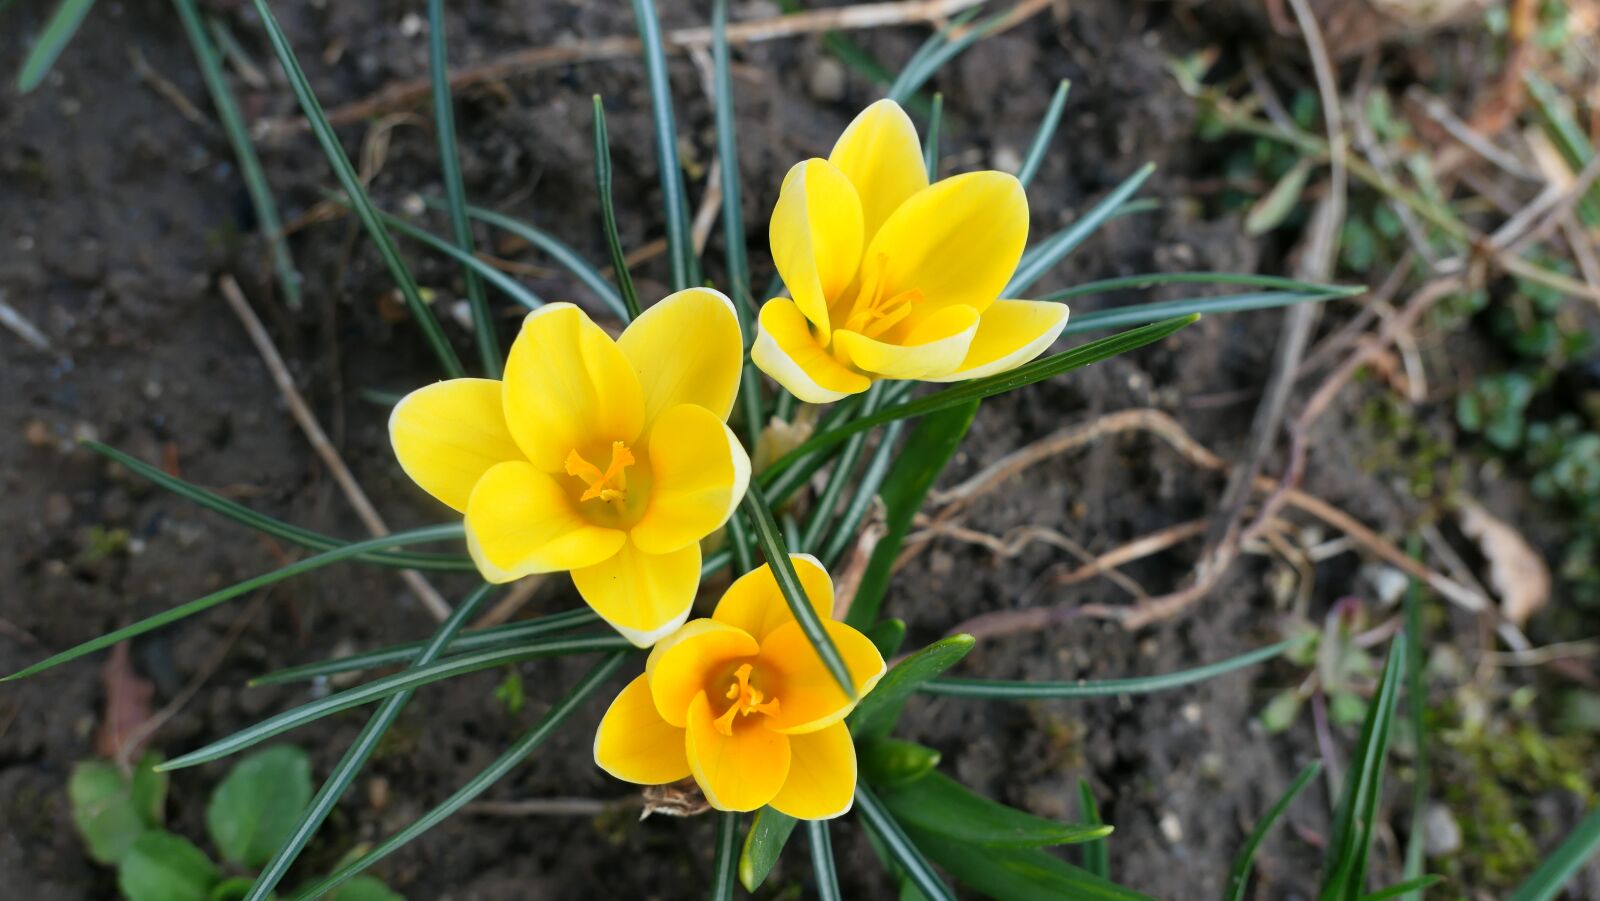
(656,343)
(698,473)
(448,434)
(882,157)
(786,350)
(934,345)
(742,771)
(816,237)
(680,665)
(822,775)
(635,744)
(643,596)
(1011,333)
(809,697)
(520,522)
(755,603)
(568,387)
(957,241)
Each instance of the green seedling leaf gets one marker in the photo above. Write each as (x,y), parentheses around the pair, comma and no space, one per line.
(888,834)
(1040,258)
(608,214)
(1345,870)
(148,789)
(887,636)
(938,804)
(234,888)
(890,763)
(105,812)
(366,888)
(164,867)
(822,860)
(1242,864)
(725,860)
(1545,883)
(57,34)
(1096,856)
(877,713)
(680,243)
(256,806)
(921,460)
(1410,886)
(1272,208)
(1017,874)
(1047,131)
(763,844)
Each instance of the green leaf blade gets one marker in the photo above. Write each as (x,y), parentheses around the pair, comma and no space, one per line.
(763,844)
(877,713)
(940,805)
(255,807)
(47,47)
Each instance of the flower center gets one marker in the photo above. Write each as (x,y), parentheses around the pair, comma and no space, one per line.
(872,312)
(610,485)
(746,698)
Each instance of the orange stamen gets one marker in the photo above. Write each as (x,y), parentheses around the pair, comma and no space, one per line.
(609,485)
(746,700)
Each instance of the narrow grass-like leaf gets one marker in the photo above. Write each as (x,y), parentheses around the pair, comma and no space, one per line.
(1047,132)
(940,805)
(1018,874)
(1096,856)
(355,549)
(890,763)
(680,243)
(919,58)
(1408,887)
(763,844)
(1567,136)
(844,465)
(875,716)
(1142,313)
(1246,279)
(51,41)
(999,689)
(725,858)
(277,527)
(1345,870)
(508,635)
(773,548)
(444,125)
(557,250)
(930,143)
(822,866)
(244,152)
(1040,258)
(355,757)
(1557,869)
(378,689)
(1416,709)
(608,213)
(977,389)
(512,288)
(1273,207)
(933,56)
(502,765)
(792,478)
(848,527)
(921,460)
(899,846)
(360,202)
(1245,860)
(887,635)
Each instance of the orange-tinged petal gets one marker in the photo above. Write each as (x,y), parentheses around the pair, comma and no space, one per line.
(810,698)
(520,522)
(957,241)
(742,771)
(880,153)
(755,603)
(657,344)
(822,775)
(568,387)
(816,237)
(635,744)
(933,345)
(698,471)
(644,596)
(681,664)
(786,350)
(1010,333)
(448,434)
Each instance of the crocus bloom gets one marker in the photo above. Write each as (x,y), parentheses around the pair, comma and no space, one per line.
(742,702)
(611,459)
(894,278)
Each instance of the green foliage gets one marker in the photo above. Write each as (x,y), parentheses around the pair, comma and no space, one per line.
(165,867)
(48,45)
(111,810)
(938,804)
(875,716)
(891,763)
(255,807)
(769,832)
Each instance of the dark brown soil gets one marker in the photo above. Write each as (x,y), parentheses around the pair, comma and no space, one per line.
(117,214)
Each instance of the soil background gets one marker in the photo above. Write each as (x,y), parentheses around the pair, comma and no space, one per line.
(118,213)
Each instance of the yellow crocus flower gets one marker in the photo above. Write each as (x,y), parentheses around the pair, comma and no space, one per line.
(894,278)
(611,459)
(742,703)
